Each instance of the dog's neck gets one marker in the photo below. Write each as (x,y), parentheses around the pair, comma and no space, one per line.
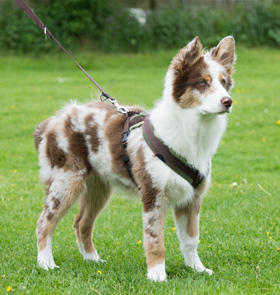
(189,133)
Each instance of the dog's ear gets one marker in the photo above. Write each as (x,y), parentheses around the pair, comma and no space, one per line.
(224,53)
(187,56)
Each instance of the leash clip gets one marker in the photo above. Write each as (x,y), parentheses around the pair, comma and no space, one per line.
(120,109)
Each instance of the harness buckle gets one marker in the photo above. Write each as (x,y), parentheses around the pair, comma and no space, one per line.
(124,139)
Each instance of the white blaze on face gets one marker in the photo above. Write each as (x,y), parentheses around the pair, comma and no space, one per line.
(211,100)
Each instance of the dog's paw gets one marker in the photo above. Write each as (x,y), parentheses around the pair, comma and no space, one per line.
(45,259)
(93,257)
(204,269)
(47,264)
(157,273)
(209,271)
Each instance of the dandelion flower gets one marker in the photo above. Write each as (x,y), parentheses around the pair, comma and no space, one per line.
(118,243)
(9,289)
(278,122)
(99,272)
(15,171)
(139,242)
(270,238)
(267,232)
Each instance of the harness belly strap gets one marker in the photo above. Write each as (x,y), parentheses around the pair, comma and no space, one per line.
(168,156)
(132,120)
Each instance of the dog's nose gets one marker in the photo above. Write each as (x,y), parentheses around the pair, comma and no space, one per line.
(226,101)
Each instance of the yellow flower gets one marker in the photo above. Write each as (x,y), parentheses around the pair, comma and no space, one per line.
(173,228)
(118,243)
(267,232)
(139,243)
(235,102)
(15,171)
(278,122)
(270,238)
(9,289)
(264,139)
(99,272)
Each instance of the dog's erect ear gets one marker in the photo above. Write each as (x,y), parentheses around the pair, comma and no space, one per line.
(224,53)
(187,56)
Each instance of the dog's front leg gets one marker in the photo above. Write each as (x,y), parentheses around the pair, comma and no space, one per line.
(187,225)
(153,224)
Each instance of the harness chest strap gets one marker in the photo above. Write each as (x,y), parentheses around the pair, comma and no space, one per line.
(166,155)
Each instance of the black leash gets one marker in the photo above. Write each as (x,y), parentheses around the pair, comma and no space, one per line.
(47,32)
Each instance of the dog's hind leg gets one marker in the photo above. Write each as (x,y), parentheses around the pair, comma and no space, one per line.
(92,202)
(187,225)
(62,192)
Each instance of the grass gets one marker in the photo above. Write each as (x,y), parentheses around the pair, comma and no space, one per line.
(240,237)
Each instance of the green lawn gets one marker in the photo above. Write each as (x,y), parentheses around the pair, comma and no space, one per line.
(240,238)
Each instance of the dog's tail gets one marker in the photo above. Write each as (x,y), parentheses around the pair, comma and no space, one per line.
(39,131)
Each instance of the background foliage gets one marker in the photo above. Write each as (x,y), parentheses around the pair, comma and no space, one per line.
(107,26)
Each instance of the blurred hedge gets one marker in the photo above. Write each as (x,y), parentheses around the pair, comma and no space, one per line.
(105,26)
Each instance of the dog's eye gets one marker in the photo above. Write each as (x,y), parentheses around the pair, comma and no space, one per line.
(223,82)
(202,83)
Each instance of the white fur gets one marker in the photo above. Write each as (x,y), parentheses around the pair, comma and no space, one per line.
(157,273)
(89,256)
(189,246)
(45,257)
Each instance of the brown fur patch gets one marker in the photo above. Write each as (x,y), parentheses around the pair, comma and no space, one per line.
(144,180)
(191,212)
(78,158)
(189,99)
(56,203)
(113,129)
(186,81)
(155,253)
(56,155)
(91,130)
(150,233)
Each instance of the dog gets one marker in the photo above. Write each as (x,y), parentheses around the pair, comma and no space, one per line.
(80,156)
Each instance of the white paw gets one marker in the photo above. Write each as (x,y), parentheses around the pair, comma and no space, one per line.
(157,273)
(93,257)
(46,263)
(90,256)
(204,269)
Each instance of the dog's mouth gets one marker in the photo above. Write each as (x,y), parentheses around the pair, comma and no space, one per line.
(223,112)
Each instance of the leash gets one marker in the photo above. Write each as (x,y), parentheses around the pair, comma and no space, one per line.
(104,95)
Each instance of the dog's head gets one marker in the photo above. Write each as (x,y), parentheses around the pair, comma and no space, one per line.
(202,80)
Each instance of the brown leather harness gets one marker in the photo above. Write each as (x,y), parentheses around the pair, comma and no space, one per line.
(159,148)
